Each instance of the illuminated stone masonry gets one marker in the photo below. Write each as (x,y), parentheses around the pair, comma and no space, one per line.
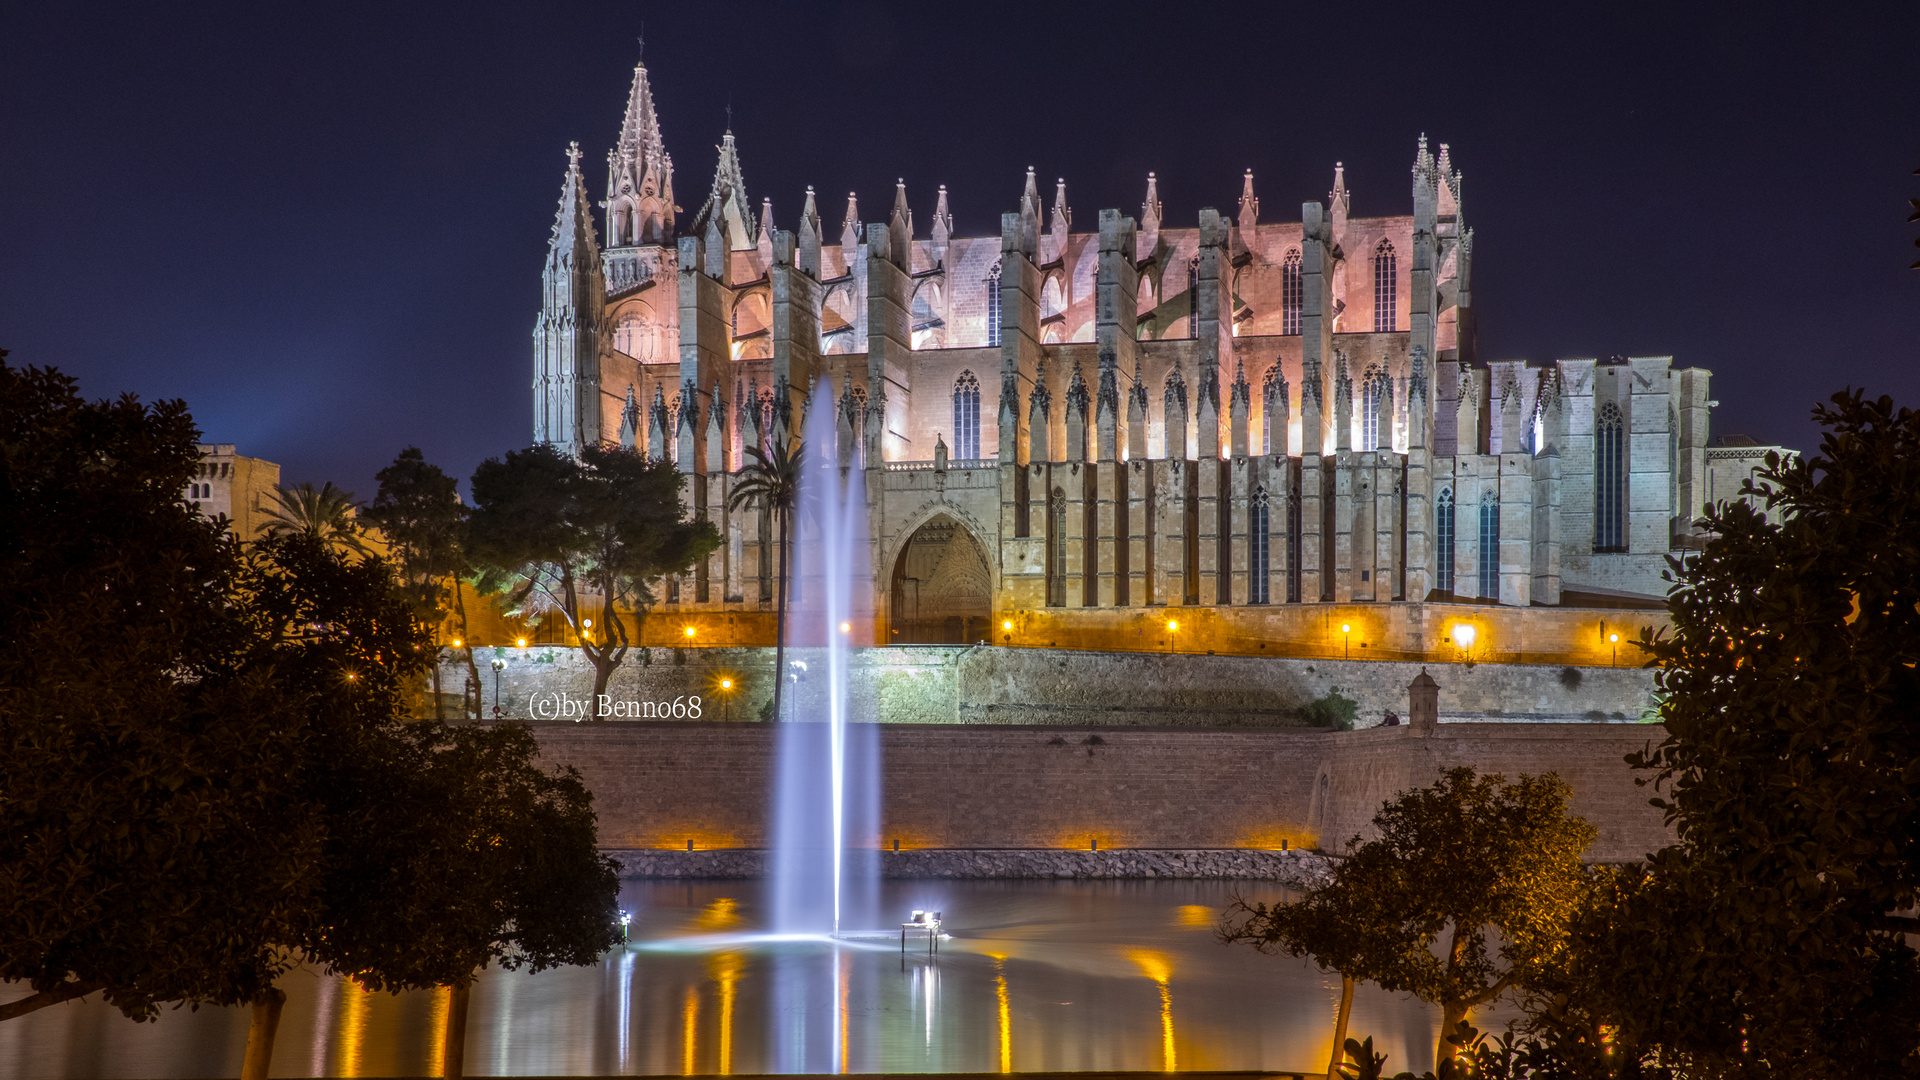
(1104,424)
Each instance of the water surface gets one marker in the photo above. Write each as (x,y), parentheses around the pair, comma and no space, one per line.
(1034,976)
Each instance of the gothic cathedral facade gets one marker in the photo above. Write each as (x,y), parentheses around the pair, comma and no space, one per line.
(1240,413)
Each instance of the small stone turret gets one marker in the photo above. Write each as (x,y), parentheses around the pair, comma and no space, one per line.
(1423,704)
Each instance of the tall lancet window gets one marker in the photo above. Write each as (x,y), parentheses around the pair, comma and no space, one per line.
(1443,541)
(1490,545)
(993,304)
(1386,289)
(1290,293)
(1257,567)
(1376,411)
(1610,480)
(1272,414)
(1057,549)
(1193,297)
(966,416)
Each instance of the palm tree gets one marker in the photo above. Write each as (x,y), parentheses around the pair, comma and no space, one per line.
(771,481)
(325,513)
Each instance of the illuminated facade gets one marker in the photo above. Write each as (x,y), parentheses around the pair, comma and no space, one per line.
(1237,413)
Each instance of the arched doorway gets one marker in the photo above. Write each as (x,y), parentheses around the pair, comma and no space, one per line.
(942,587)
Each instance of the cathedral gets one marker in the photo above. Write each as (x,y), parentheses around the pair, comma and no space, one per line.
(1065,432)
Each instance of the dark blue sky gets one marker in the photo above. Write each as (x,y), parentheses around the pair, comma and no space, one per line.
(322,225)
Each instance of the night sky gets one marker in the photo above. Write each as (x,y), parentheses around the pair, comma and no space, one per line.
(322,225)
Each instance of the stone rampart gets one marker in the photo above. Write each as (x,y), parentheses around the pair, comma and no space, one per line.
(663,785)
(1000,685)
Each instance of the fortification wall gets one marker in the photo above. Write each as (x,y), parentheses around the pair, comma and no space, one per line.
(663,785)
(998,685)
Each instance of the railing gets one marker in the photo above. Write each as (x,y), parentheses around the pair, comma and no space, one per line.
(952,463)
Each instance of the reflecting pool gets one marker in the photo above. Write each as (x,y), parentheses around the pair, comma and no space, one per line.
(1031,976)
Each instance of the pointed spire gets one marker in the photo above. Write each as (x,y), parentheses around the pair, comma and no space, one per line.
(1148,238)
(573,223)
(639,174)
(1337,199)
(727,202)
(1423,165)
(629,420)
(850,229)
(900,226)
(1249,206)
(942,227)
(1062,216)
(808,258)
(1030,216)
(764,239)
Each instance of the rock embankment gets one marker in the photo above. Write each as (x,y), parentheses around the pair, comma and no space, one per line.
(1297,869)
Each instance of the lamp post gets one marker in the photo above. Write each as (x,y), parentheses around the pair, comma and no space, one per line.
(498,666)
(1007,626)
(1614,641)
(1173,626)
(1346,641)
(726,698)
(1463,635)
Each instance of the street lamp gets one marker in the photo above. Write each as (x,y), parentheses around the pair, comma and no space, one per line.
(1346,639)
(522,642)
(689,632)
(498,666)
(1614,640)
(1172,626)
(726,696)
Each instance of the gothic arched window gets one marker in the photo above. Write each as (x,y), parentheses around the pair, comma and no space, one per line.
(993,304)
(1443,541)
(1257,566)
(1273,411)
(1610,480)
(1376,410)
(1057,549)
(966,416)
(1290,293)
(1386,287)
(1490,545)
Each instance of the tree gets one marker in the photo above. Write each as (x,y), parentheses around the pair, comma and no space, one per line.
(325,513)
(454,849)
(555,534)
(1769,939)
(771,481)
(1487,871)
(148,851)
(418,510)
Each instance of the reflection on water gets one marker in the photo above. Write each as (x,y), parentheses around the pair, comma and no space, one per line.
(1035,976)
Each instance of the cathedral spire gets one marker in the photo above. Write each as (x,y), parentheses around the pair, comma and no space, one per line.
(1148,238)
(639,201)
(900,226)
(808,258)
(727,202)
(1030,216)
(566,336)
(1249,206)
(850,230)
(942,228)
(1337,199)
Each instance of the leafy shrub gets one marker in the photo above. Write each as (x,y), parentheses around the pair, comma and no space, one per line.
(1335,710)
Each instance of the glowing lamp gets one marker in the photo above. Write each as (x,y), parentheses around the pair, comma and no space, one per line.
(588,623)
(726,684)
(523,643)
(457,643)
(1613,639)
(1346,628)
(1172,625)
(846,628)
(1007,625)
(689,631)
(1463,636)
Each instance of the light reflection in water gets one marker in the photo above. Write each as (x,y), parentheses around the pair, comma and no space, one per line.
(1157,967)
(442,1006)
(689,1025)
(1081,953)
(1006,1013)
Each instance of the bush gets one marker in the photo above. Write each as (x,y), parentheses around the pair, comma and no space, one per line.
(1336,711)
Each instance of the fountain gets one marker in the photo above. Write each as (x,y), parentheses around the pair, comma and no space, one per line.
(825,869)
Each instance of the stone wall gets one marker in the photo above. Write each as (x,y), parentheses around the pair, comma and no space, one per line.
(998,685)
(1295,868)
(663,785)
